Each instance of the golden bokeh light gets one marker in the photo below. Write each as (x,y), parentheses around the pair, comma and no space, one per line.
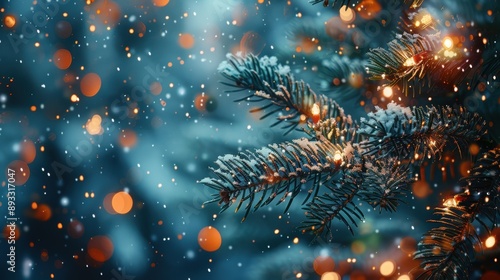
(387,268)
(108,12)
(9,21)
(331,276)
(209,239)
(448,43)
(421,189)
(100,248)
(155,88)
(127,138)
(387,92)
(42,212)
(90,84)
(347,14)
(122,202)
(62,59)
(28,151)
(160,3)
(186,40)
(490,242)
(323,264)
(368,9)
(93,125)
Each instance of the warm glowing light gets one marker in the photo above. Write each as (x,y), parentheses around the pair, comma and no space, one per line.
(74,98)
(93,125)
(409,62)
(42,212)
(127,138)
(323,264)
(9,21)
(421,189)
(331,276)
(62,59)
(387,92)
(450,202)
(296,240)
(209,239)
(155,88)
(315,112)
(346,14)
(160,3)
(387,268)
(426,19)
(100,248)
(404,277)
(337,157)
(448,43)
(28,151)
(90,84)
(186,40)
(122,202)
(490,242)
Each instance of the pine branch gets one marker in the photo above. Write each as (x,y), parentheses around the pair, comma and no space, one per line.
(447,251)
(408,57)
(279,169)
(338,203)
(293,101)
(385,183)
(419,133)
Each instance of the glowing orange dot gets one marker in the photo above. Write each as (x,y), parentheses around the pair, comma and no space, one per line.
(59,226)
(33,108)
(9,21)
(122,202)
(323,264)
(186,40)
(93,125)
(209,239)
(28,151)
(108,12)
(100,248)
(62,59)
(90,84)
(421,189)
(127,138)
(160,3)
(42,212)
(387,268)
(155,88)
(21,172)
(331,276)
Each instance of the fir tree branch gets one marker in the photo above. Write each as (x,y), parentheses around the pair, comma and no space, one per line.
(293,101)
(447,251)
(419,133)
(408,57)
(271,171)
(338,203)
(385,183)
